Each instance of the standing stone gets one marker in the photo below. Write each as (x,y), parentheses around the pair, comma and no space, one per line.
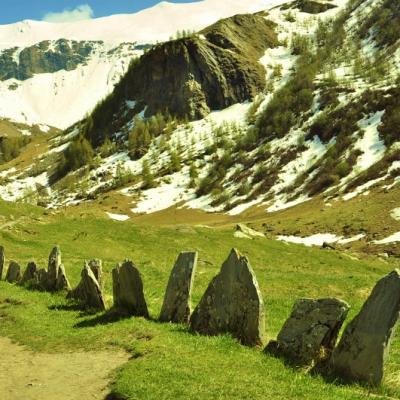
(232,304)
(97,268)
(13,272)
(128,290)
(62,280)
(30,274)
(88,292)
(2,261)
(365,343)
(311,331)
(177,301)
(53,267)
(42,279)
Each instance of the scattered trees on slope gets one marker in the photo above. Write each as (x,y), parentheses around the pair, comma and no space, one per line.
(10,147)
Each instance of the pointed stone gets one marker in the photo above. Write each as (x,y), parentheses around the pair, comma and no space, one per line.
(311,331)
(96,266)
(232,304)
(13,272)
(62,280)
(30,274)
(365,343)
(53,267)
(42,279)
(88,291)
(128,290)
(2,261)
(177,301)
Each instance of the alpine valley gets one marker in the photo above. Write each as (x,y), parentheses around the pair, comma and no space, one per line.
(201,201)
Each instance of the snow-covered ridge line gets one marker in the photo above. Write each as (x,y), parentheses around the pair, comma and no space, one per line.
(157,23)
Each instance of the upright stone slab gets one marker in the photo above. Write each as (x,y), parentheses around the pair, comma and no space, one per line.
(96,266)
(62,280)
(53,267)
(365,343)
(42,279)
(13,272)
(88,291)
(2,261)
(311,331)
(232,304)
(177,301)
(128,290)
(30,274)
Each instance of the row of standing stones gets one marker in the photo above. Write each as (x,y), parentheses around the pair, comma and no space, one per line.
(233,304)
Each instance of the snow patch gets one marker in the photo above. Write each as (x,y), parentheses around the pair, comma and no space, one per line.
(118,217)
(314,240)
(361,189)
(243,207)
(370,144)
(395,214)
(391,239)
(319,239)
(352,239)
(164,196)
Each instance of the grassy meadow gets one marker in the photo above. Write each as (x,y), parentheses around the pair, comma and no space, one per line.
(167,361)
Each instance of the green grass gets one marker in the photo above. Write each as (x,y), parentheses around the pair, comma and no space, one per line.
(168,362)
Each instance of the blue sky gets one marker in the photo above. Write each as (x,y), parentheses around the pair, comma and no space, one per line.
(62,10)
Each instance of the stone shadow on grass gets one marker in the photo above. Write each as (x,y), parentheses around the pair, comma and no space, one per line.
(115,396)
(66,307)
(105,318)
(83,311)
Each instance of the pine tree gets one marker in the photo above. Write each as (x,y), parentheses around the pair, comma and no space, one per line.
(79,153)
(193,174)
(147,176)
(175,162)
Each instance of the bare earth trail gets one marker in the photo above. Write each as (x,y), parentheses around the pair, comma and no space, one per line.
(63,376)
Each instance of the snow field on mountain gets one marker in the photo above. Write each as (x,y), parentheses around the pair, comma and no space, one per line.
(16,189)
(62,98)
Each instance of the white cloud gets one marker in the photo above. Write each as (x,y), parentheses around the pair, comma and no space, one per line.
(80,13)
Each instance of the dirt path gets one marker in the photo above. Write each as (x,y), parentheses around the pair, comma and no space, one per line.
(64,376)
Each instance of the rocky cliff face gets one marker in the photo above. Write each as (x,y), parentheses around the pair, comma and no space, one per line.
(44,57)
(212,70)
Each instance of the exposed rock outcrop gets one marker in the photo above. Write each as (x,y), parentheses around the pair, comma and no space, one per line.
(310,333)
(242,231)
(128,290)
(365,343)
(194,75)
(232,304)
(309,6)
(177,301)
(189,77)
(43,57)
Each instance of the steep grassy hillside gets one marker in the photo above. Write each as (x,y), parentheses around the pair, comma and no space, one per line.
(167,361)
